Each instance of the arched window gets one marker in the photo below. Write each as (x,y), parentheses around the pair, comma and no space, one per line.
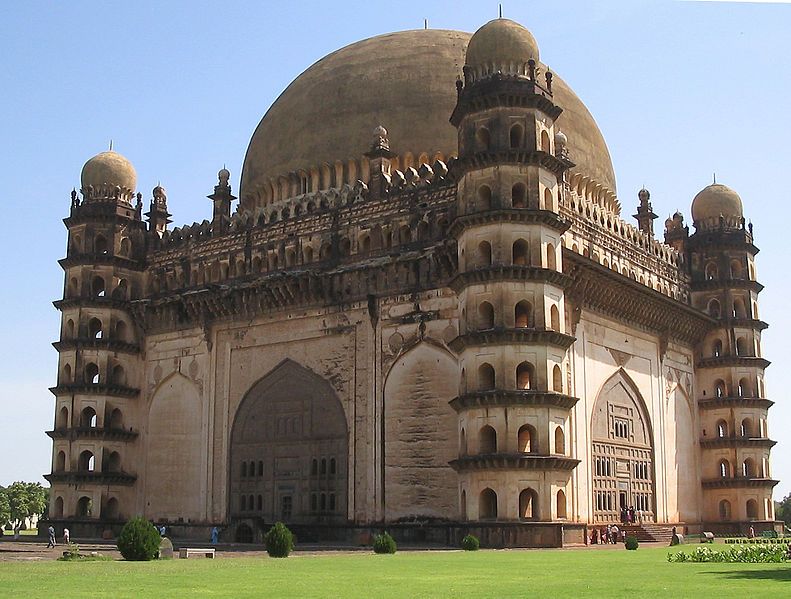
(484,197)
(716,348)
(487,440)
(116,419)
(483,138)
(744,388)
(60,462)
(69,328)
(714,309)
(722,429)
(95,328)
(545,141)
(463,505)
(752,509)
(91,374)
(97,287)
(244,475)
(522,315)
(554,318)
(325,251)
(737,269)
(548,199)
(748,468)
(720,389)
(345,246)
(365,243)
(260,468)
(485,316)
(62,421)
(517,135)
(747,428)
(557,379)
(88,418)
(86,462)
(125,248)
(711,271)
(58,509)
(525,374)
(551,259)
(526,439)
(519,195)
(333,465)
(486,380)
(742,348)
(121,329)
(404,234)
(121,290)
(561,504)
(463,442)
(314,467)
(100,245)
(487,505)
(560,441)
(260,503)
(67,373)
(528,504)
(243,503)
(113,462)
(84,507)
(484,254)
(520,253)
(307,254)
(119,375)
(725,469)
(323,466)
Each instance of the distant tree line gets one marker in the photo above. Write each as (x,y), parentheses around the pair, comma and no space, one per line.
(20,501)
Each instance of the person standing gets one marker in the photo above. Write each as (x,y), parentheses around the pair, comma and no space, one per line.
(215,534)
(66,539)
(51,534)
(752,532)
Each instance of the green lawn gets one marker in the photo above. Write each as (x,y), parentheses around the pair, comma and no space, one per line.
(540,573)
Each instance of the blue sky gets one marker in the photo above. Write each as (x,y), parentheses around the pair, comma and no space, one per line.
(679,89)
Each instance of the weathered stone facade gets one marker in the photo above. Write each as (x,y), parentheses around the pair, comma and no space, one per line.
(469,337)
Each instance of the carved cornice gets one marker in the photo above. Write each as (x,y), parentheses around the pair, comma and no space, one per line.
(91,302)
(98,389)
(733,361)
(509,272)
(512,337)
(736,442)
(512,398)
(112,345)
(96,478)
(723,284)
(101,260)
(114,434)
(517,157)
(509,215)
(714,403)
(602,290)
(746,323)
(513,461)
(739,482)
(507,91)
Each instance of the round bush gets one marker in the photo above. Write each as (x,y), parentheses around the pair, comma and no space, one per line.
(139,540)
(631,543)
(470,543)
(279,540)
(384,543)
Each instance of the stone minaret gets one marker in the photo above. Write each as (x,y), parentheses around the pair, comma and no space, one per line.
(735,444)
(514,405)
(96,396)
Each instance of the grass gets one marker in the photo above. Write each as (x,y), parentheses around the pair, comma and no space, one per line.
(542,573)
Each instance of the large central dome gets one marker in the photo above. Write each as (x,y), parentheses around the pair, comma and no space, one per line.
(405,81)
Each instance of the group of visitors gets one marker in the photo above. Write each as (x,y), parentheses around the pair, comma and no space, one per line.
(630,516)
(609,534)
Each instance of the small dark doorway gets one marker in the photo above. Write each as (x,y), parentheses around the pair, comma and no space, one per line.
(244,534)
(623,502)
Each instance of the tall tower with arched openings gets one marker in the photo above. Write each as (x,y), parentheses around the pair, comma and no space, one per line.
(513,402)
(735,443)
(98,351)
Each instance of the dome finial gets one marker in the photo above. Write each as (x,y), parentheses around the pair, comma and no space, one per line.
(111,145)
(715,178)
(501,9)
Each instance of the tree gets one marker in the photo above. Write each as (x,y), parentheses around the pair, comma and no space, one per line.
(5,510)
(783,510)
(25,500)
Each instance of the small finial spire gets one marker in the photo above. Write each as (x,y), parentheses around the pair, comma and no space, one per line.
(111,145)
(425,23)
(501,10)
(715,177)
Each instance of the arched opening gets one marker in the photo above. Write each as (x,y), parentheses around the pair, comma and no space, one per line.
(519,195)
(522,315)
(100,245)
(720,389)
(463,505)
(486,380)
(91,373)
(528,504)
(747,429)
(463,442)
(560,441)
(365,243)
(748,468)
(487,505)
(725,469)
(244,534)
(84,507)
(125,248)
(57,510)
(484,254)
(97,287)
(95,328)
(737,269)
(345,247)
(121,331)
(118,375)
(484,197)
(561,504)
(86,462)
(525,375)
(714,309)
(725,509)
(752,509)
(520,256)
(483,138)
(487,440)
(88,418)
(67,373)
(722,429)
(485,316)
(62,420)
(121,290)
(554,318)
(69,329)
(711,271)
(557,379)
(307,254)
(716,348)
(549,201)
(116,419)
(111,509)
(545,141)
(742,348)
(60,462)
(516,136)
(113,462)
(551,258)
(744,388)
(526,439)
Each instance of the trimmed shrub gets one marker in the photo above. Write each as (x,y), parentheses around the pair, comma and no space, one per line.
(631,543)
(470,543)
(384,543)
(747,554)
(279,540)
(139,540)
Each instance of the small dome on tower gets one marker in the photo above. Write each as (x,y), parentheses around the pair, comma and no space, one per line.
(109,170)
(561,140)
(501,43)
(714,201)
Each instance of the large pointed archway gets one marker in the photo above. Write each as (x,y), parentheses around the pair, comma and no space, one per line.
(289,446)
(622,451)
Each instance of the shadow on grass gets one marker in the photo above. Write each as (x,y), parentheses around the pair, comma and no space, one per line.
(779,575)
